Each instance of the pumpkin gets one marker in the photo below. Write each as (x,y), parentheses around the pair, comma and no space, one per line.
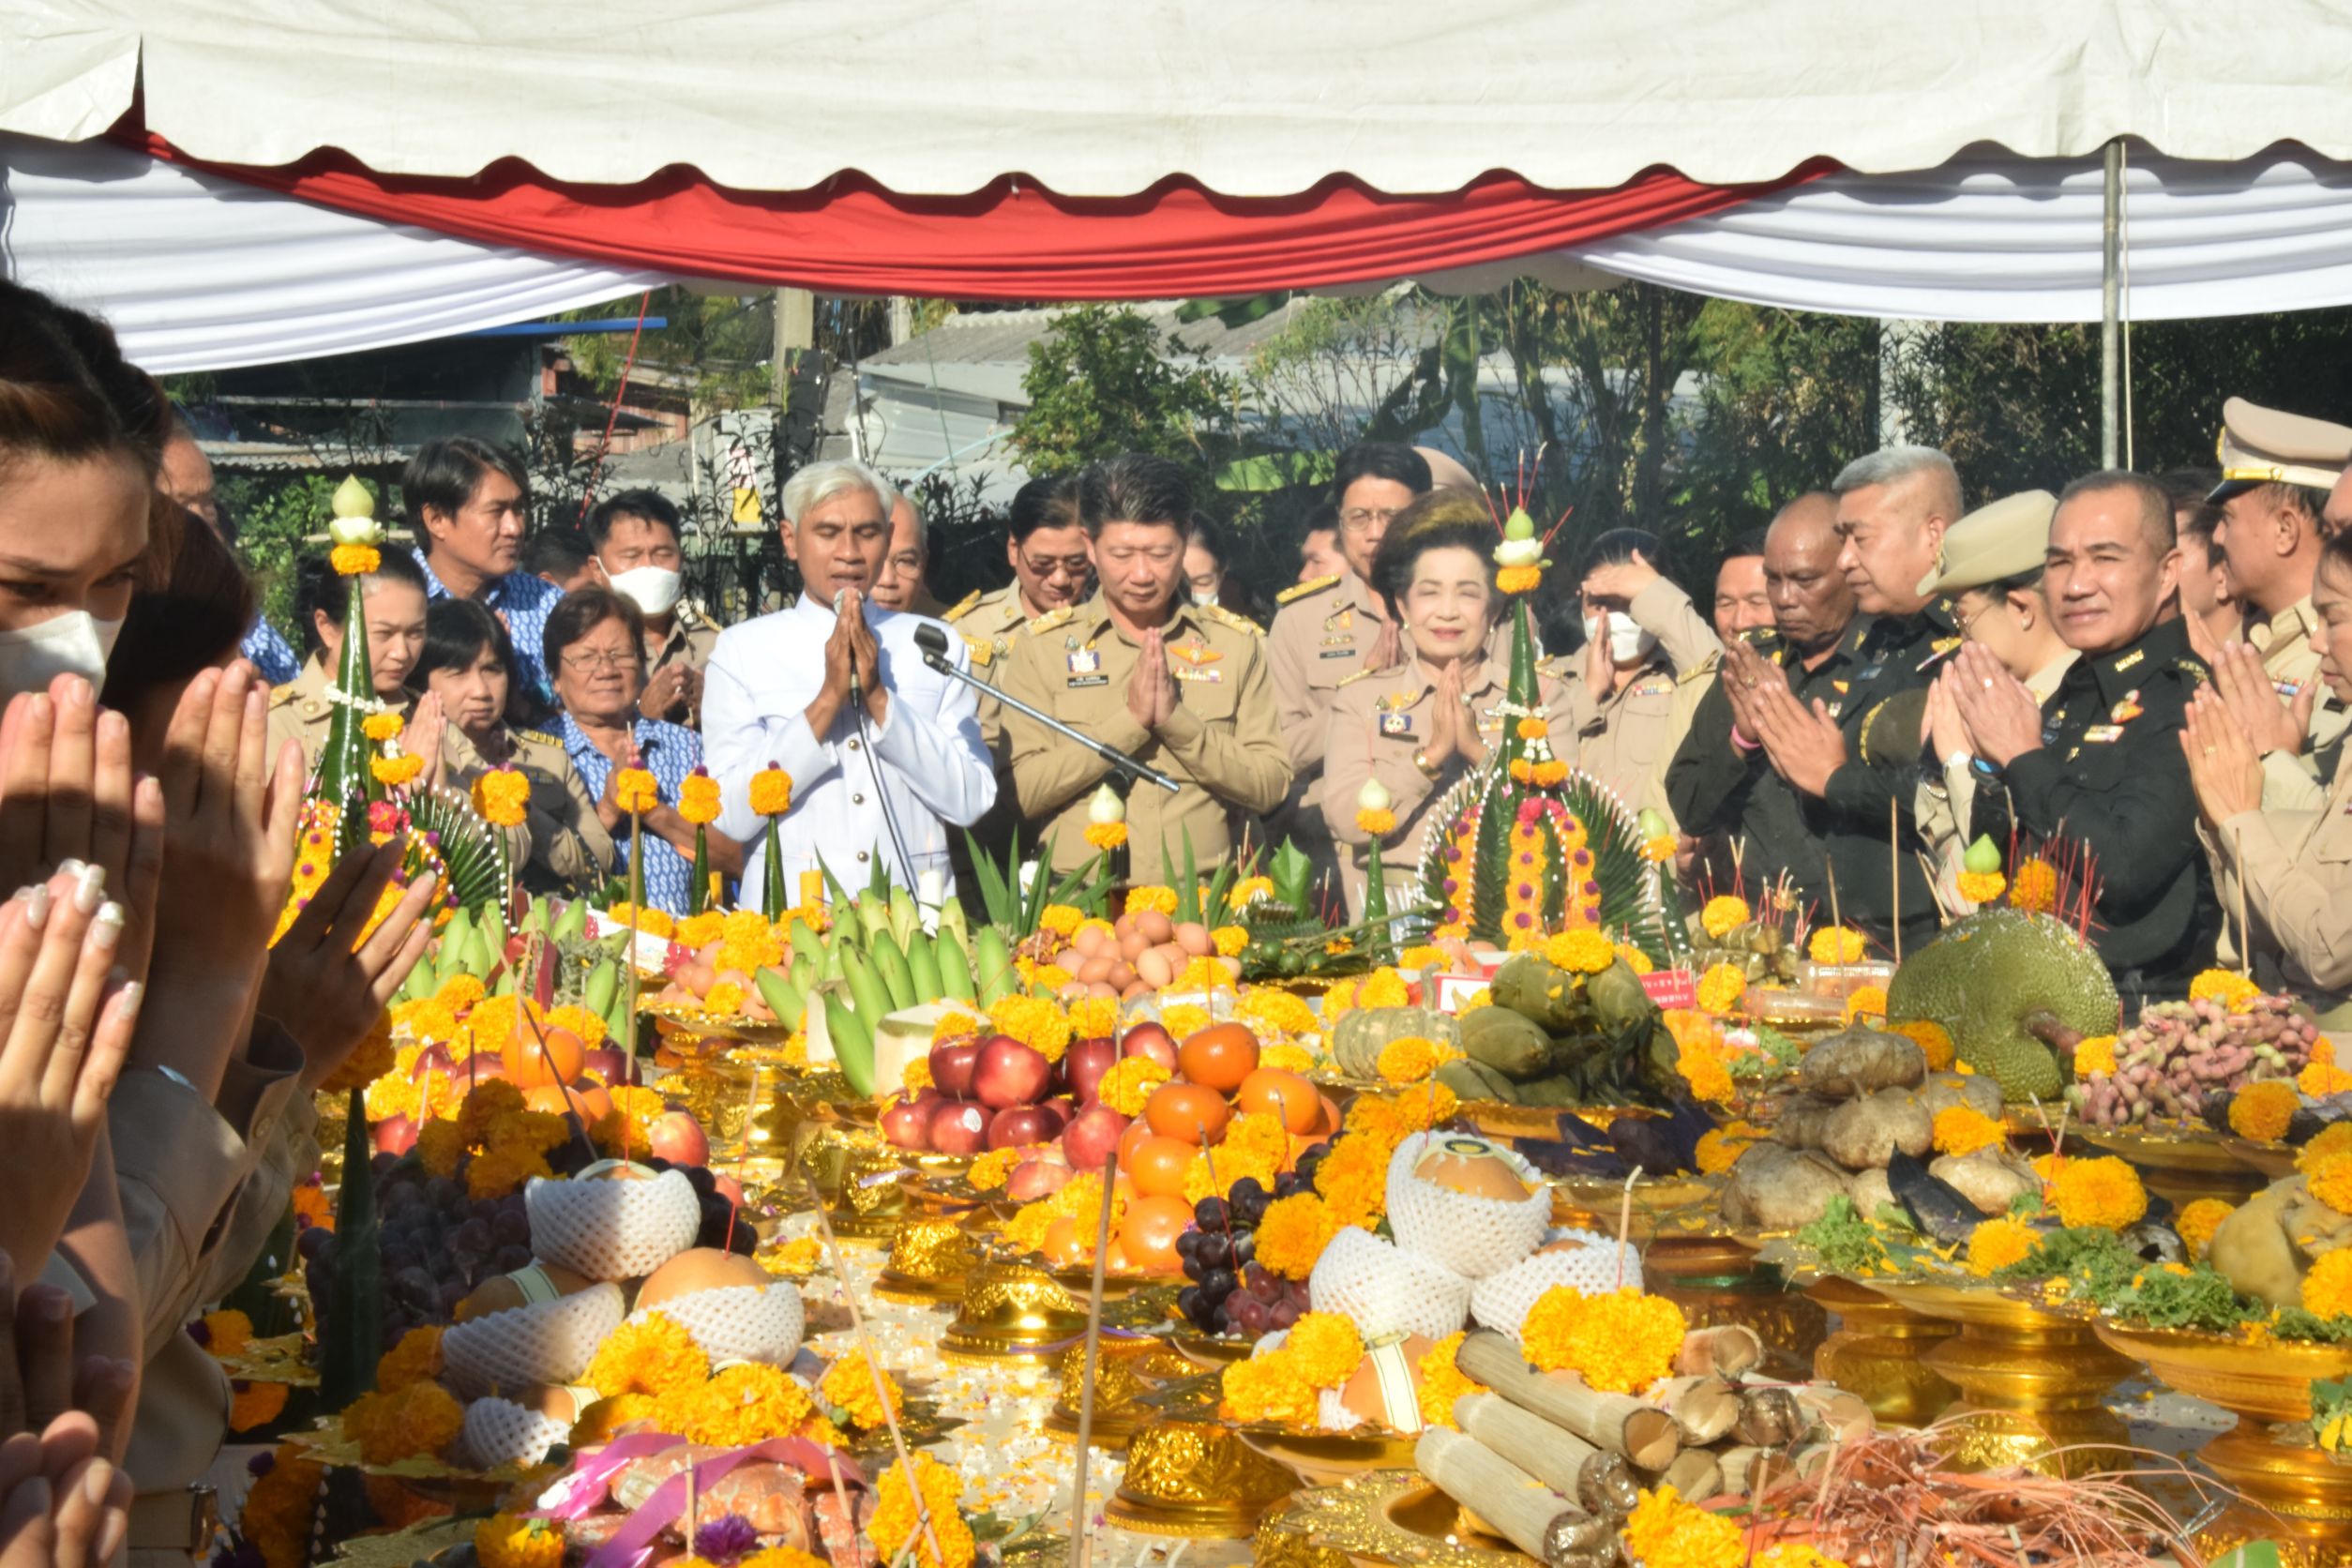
(1357,1038)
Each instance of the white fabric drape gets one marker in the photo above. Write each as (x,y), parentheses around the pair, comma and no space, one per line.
(1989,237)
(197,273)
(942,97)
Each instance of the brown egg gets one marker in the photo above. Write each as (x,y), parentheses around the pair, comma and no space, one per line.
(1473,1166)
(1133,943)
(1095,969)
(1361,1392)
(1152,968)
(1121,976)
(1102,989)
(503,1293)
(1086,942)
(1195,940)
(1121,926)
(1077,990)
(1175,954)
(1156,927)
(1134,990)
(1565,1243)
(702,1268)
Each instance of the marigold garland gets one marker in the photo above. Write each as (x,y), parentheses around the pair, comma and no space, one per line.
(1664,1531)
(896,1528)
(1523,889)
(698,798)
(2103,1192)
(2327,1289)
(354,560)
(1620,1343)
(2262,1110)
(2199,1220)
(1964,1129)
(1443,1382)
(771,792)
(1835,944)
(653,1355)
(502,796)
(635,791)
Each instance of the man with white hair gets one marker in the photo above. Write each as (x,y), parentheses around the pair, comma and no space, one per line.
(884,753)
(1854,761)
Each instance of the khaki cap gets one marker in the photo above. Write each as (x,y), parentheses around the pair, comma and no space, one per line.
(1445,473)
(2264,446)
(2005,538)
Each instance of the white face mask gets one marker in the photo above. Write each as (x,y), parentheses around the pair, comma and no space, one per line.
(76,643)
(1628,643)
(654,588)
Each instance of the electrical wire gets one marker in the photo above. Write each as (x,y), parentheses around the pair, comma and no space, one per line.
(588,492)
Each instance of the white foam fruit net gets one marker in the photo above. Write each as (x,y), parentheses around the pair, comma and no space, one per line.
(501,1432)
(1501,1302)
(738,1322)
(1331,1413)
(1471,1235)
(609,1229)
(549,1342)
(1387,1290)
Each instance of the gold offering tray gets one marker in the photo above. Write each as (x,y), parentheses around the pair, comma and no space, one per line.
(1383,1516)
(2183,1163)
(674,1020)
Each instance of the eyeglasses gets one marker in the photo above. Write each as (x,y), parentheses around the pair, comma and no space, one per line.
(609,658)
(1355,519)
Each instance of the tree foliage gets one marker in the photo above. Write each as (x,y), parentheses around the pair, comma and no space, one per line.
(1105,381)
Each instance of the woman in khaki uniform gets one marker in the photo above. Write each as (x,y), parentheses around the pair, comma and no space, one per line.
(1648,655)
(1422,727)
(468,665)
(394,599)
(2289,871)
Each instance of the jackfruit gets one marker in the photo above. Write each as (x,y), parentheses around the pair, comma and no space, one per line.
(1987,977)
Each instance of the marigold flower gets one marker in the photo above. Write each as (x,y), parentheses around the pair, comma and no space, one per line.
(1129,1084)
(771,792)
(382,726)
(1230,941)
(654,1355)
(1379,823)
(1718,1152)
(993,1170)
(1866,1001)
(2320,1079)
(399,768)
(1980,887)
(2034,889)
(1443,1382)
(502,795)
(1664,1531)
(1106,836)
(2330,1182)
(2327,1289)
(1035,1022)
(1519,579)
(414,1360)
(1267,1388)
(1660,849)
(1964,1129)
(226,1333)
(2262,1110)
(1326,1347)
(635,791)
(2199,1220)
(508,1540)
(1932,1039)
(1721,987)
(354,560)
(1996,1244)
(1723,914)
(1153,897)
(2094,1055)
(2231,989)
(1835,944)
(896,1528)
(1293,1233)
(1410,1058)
(1384,988)
(698,798)
(2330,1141)
(1620,1343)
(2104,1192)
(848,1386)
(1582,951)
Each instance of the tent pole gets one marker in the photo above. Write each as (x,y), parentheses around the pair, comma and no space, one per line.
(2110,330)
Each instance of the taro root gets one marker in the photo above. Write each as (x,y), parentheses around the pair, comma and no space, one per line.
(1862,1135)
(1858,1059)
(1989,1179)
(1772,1187)
(1979,1093)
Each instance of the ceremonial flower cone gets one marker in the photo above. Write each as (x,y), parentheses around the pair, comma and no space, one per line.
(698,888)
(772,900)
(345,780)
(1509,792)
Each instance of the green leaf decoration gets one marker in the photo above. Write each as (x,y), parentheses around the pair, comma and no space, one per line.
(771,899)
(354,1318)
(473,852)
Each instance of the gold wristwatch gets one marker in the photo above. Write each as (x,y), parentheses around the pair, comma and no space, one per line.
(1428,769)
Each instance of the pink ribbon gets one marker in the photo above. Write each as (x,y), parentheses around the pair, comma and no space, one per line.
(632,1544)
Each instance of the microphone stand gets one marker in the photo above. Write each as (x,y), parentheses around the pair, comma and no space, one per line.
(935,658)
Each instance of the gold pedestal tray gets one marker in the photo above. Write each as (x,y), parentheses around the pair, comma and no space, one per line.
(1011,1311)
(929,1259)
(2290,1492)
(1328,1458)
(1385,1516)
(2181,1164)
(1196,1478)
(1714,1280)
(1876,1353)
(2272,1161)
(2035,1382)
(1125,1371)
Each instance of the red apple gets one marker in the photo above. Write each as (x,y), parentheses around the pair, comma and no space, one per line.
(959,1127)
(1093,1136)
(1009,1073)
(394,1135)
(431,1060)
(1084,1064)
(952,1066)
(612,1063)
(1034,1178)
(1015,1125)
(728,1188)
(1063,1107)
(908,1123)
(1149,1039)
(675,1135)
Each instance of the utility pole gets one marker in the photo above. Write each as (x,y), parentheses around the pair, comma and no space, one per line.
(796,330)
(2111,314)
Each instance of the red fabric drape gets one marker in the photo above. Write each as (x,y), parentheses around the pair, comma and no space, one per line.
(1009,241)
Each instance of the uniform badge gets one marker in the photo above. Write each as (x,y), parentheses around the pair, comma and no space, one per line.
(1197,653)
(2103,734)
(1399,726)
(2126,710)
(1834,709)
(1195,672)
(1869,674)
(2129,660)
(1339,620)
(2286,689)
(1840,688)
(1084,661)
(1941,646)
(1653,685)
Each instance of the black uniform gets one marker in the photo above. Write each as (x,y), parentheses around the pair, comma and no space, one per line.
(1715,787)
(2109,780)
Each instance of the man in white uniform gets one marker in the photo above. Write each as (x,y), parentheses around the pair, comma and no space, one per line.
(904,751)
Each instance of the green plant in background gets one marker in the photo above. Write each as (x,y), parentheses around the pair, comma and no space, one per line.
(1106,382)
(273,514)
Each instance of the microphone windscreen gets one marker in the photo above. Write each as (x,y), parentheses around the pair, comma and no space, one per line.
(931,640)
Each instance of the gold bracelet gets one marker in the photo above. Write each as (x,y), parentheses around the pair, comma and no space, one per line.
(1428,769)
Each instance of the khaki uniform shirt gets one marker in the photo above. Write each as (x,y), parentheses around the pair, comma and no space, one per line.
(1947,795)
(1324,632)
(1626,739)
(1222,742)
(562,842)
(299,711)
(690,642)
(989,623)
(1378,723)
(2293,871)
(2289,659)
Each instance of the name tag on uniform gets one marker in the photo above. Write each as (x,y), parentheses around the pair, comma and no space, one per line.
(1074,682)
(1084,661)
(1397,724)
(2101,735)
(1348,652)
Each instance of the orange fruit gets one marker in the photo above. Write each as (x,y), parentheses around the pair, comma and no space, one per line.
(1063,1244)
(1156,1166)
(529,1068)
(1219,1056)
(1285,1096)
(1148,1232)
(1191,1113)
(1138,1130)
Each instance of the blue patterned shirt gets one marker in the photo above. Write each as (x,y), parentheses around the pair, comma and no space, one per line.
(270,654)
(671,751)
(522,601)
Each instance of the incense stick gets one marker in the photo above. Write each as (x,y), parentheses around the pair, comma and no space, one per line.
(1835,918)
(1080,1537)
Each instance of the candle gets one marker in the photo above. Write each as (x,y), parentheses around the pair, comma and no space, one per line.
(812,888)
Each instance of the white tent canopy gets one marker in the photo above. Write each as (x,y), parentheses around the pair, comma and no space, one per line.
(942,96)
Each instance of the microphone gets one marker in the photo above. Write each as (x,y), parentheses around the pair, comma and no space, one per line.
(932,638)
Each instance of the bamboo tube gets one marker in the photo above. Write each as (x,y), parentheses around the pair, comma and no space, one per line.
(1768,1418)
(1843,1415)
(1695,1475)
(1725,1349)
(1560,1460)
(1703,1408)
(1525,1511)
(1640,1434)
(1738,1464)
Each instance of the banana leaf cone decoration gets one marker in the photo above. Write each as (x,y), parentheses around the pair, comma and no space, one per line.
(1527,845)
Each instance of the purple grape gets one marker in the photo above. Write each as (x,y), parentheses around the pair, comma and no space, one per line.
(1283,1314)
(1251,1315)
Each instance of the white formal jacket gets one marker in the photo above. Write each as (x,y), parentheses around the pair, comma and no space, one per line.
(927,755)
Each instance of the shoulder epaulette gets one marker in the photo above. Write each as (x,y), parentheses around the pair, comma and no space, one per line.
(1223,616)
(281,695)
(2195,669)
(1350,680)
(1050,619)
(1700,671)
(538,737)
(961,607)
(1299,590)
